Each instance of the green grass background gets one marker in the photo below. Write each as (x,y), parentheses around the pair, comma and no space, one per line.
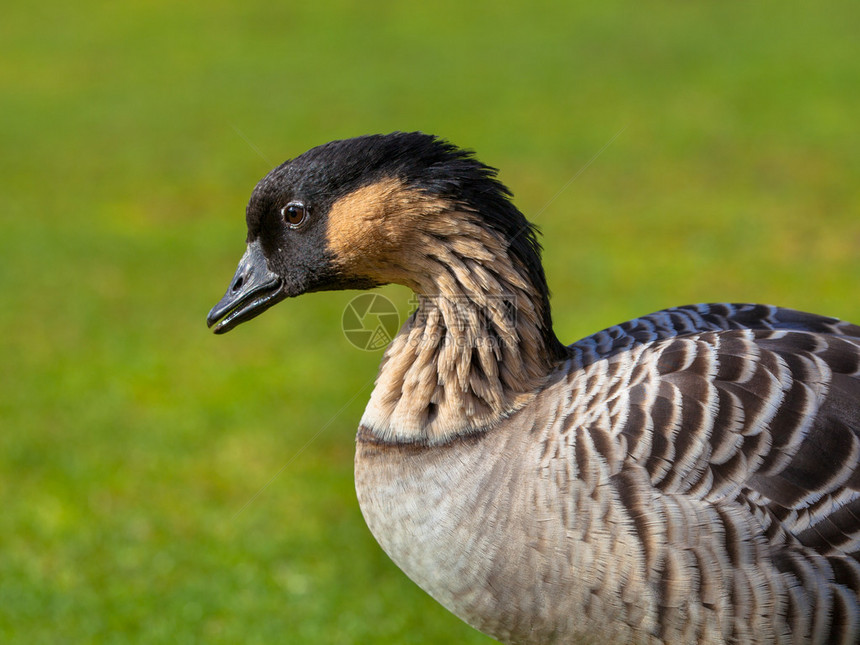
(162,485)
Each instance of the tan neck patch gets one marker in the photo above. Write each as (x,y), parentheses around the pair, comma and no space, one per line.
(377,229)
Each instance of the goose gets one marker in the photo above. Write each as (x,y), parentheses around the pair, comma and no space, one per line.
(690,476)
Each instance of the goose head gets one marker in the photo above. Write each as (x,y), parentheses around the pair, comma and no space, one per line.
(399,208)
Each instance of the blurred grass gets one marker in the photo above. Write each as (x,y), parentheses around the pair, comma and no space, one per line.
(157,484)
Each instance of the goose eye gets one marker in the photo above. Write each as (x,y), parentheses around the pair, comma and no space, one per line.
(294,214)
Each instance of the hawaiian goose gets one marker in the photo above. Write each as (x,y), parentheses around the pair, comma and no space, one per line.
(688,476)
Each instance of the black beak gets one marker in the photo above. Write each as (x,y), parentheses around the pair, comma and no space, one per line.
(253,290)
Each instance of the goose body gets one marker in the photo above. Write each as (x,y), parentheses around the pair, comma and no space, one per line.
(688,476)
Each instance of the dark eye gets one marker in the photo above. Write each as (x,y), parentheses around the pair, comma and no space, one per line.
(294,214)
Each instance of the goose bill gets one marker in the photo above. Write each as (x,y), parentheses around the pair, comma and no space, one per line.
(252,290)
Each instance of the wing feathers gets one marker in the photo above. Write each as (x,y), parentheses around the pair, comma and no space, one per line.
(731,434)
